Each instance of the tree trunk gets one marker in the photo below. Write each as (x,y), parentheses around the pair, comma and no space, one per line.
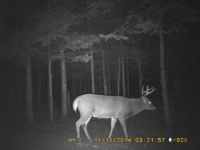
(163,80)
(104,73)
(118,78)
(29,100)
(139,64)
(128,91)
(80,86)
(123,75)
(85,83)
(19,91)
(50,86)
(92,70)
(109,81)
(108,76)
(74,88)
(100,83)
(39,87)
(64,86)
(68,102)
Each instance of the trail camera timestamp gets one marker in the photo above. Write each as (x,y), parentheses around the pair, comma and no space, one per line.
(150,140)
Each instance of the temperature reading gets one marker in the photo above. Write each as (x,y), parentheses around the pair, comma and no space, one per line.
(181,140)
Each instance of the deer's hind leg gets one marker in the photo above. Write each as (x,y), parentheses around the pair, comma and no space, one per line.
(84,119)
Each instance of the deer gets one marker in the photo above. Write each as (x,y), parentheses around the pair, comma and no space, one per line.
(114,107)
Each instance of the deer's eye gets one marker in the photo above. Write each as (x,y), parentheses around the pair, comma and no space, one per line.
(149,102)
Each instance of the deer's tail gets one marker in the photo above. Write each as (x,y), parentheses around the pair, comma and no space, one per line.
(75,103)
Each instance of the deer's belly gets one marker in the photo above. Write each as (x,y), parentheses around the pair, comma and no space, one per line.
(104,115)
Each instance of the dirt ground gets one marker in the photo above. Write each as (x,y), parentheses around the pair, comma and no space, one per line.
(145,133)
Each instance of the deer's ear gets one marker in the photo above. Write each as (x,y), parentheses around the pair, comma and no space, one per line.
(143,99)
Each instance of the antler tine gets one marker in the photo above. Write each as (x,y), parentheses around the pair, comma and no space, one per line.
(148,91)
(143,90)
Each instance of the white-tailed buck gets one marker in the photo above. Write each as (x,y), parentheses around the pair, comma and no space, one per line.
(114,107)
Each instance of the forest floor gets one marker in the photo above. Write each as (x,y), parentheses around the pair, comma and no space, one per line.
(144,130)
